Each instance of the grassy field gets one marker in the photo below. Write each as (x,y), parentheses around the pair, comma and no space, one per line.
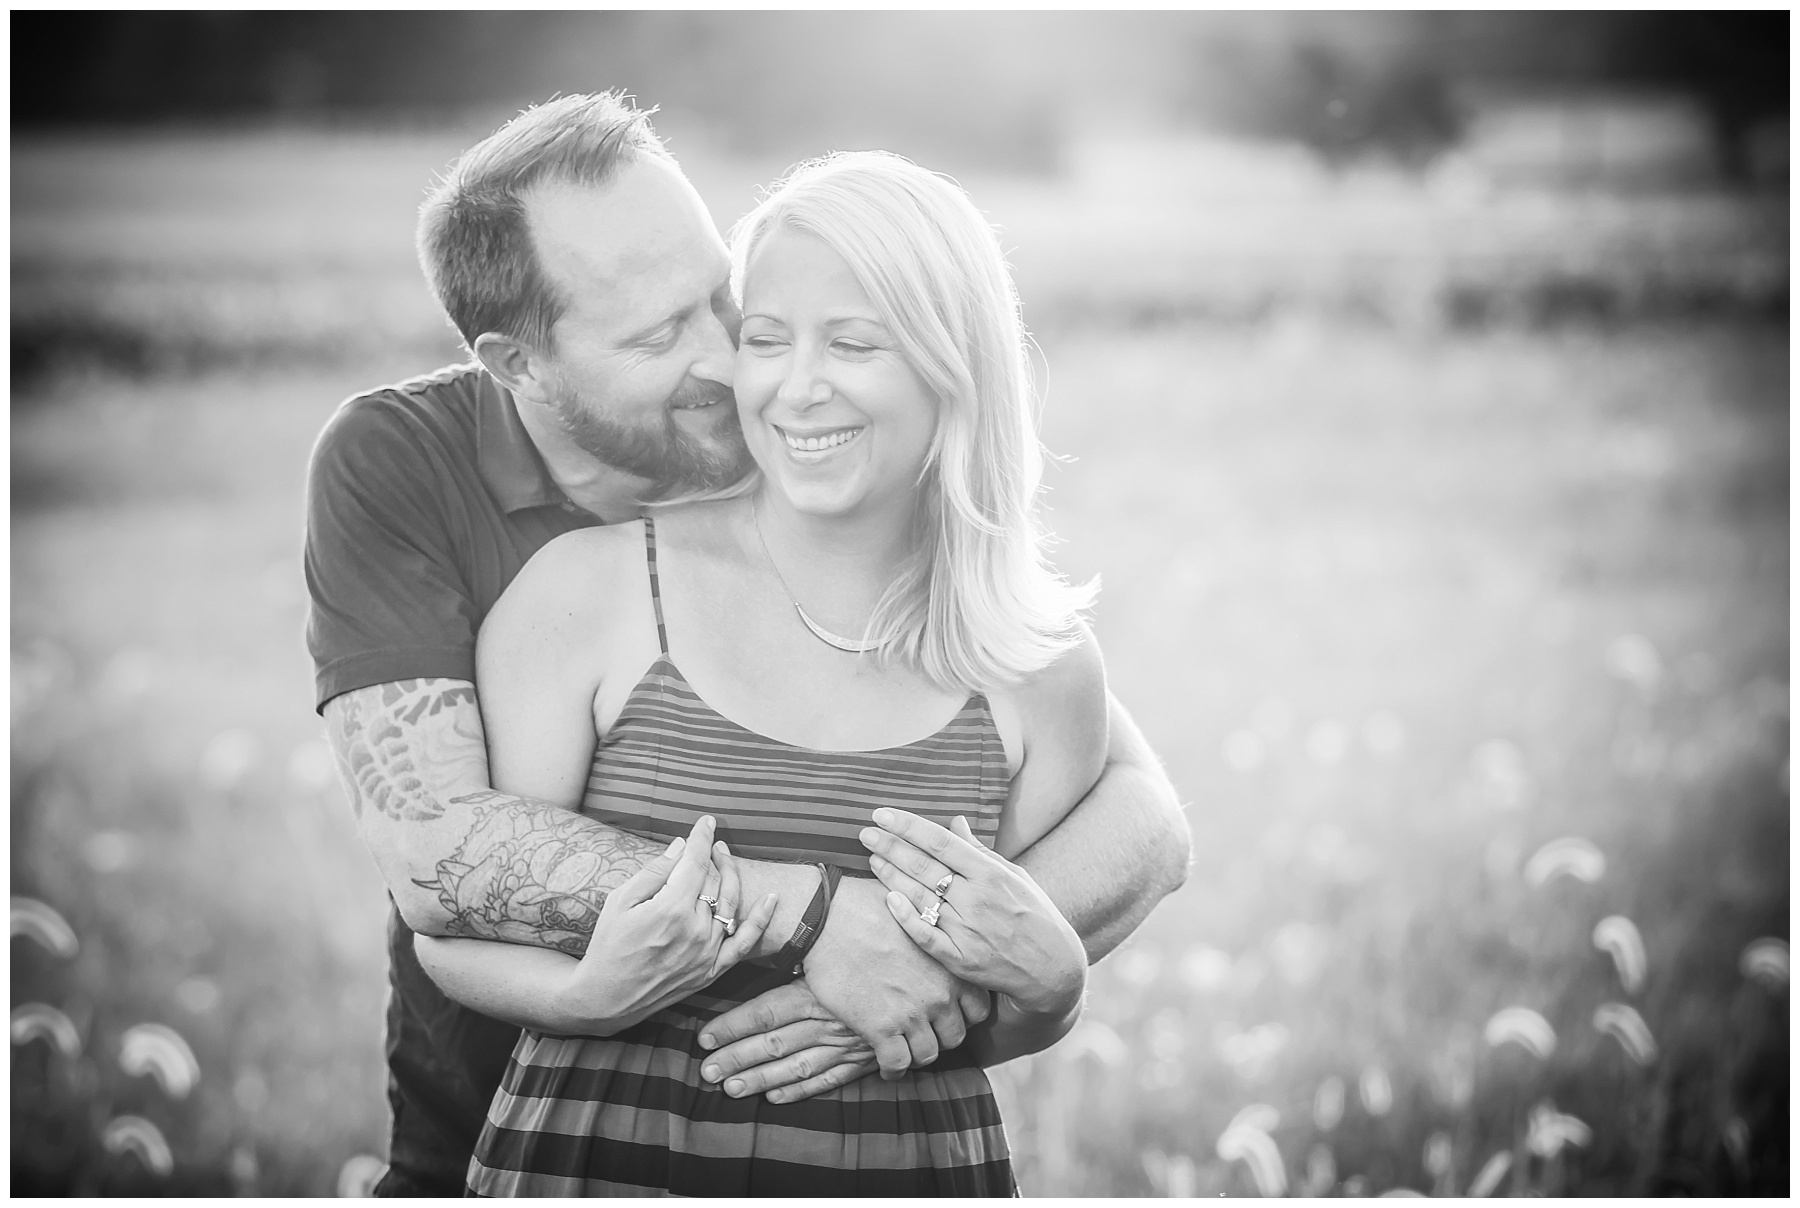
(1400,598)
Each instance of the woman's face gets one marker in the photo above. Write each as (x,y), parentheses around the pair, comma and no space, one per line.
(838,420)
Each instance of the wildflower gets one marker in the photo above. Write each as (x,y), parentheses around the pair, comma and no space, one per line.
(1628,1027)
(39,1021)
(1765,962)
(151,1048)
(1247,1139)
(1568,856)
(136,1135)
(1617,936)
(1524,1027)
(1550,1130)
(39,922)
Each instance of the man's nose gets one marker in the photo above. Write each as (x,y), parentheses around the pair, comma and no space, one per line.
(718,353)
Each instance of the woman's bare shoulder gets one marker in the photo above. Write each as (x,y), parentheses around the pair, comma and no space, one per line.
(1066,692)
(575,577)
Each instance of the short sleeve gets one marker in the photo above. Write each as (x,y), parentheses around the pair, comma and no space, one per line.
(389,601)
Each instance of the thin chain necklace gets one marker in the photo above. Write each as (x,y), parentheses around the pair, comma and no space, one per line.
(817,630)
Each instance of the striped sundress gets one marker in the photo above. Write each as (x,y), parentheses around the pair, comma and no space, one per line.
(629,1114)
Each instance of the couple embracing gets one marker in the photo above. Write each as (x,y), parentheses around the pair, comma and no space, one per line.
(744,779)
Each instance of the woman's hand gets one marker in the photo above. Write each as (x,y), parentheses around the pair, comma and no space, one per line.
(658,938)
(995,927)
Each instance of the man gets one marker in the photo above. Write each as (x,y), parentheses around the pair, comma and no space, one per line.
(585,275)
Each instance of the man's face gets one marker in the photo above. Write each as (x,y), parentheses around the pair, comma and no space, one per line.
(642,355)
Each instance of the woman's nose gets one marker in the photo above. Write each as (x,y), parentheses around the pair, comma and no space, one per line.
(803,385)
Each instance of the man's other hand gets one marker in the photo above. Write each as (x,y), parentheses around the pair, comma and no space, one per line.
(866,972)
(784,1044)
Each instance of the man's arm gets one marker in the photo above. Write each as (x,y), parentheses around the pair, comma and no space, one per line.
(1121,849)
(463,860)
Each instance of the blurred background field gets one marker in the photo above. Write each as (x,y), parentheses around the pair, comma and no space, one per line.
(1424,383)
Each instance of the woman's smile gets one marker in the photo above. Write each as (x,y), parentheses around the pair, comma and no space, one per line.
(818,441)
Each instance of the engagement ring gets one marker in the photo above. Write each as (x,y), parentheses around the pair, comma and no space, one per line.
(730,924)
(930,914)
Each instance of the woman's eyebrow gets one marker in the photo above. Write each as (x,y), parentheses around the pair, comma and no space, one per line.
(837,322)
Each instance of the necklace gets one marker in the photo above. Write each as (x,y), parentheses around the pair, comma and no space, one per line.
(817,630)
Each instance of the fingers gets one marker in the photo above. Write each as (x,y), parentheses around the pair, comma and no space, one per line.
(647,880)
(923,1042)
(977,1004)
(767,1048)
(902,855)
(730,882)
(956,854)
(842,1074)
(749,934)
(949,1027)
(818,1068)
(893,877)
(764,1013)
(894,1056)
(709,892)
(691,869)
(932,941)
(916,895)
(797,1053)
(959,826)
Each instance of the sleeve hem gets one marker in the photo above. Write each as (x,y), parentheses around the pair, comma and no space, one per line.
(354,671)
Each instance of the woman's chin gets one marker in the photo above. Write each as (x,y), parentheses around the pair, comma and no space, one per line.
(828,500)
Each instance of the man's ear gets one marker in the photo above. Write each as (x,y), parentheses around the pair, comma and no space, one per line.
(520,368)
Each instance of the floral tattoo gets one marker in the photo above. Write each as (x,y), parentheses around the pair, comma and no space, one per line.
(531,873)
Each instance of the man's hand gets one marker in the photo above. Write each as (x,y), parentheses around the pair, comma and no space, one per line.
(866,972)
(784,1044)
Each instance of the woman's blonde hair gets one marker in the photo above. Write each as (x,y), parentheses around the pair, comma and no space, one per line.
(976,605)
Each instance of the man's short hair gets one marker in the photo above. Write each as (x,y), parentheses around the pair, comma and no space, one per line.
(474,239)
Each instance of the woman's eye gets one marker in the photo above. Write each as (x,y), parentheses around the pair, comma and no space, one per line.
(854,346)
(762,343)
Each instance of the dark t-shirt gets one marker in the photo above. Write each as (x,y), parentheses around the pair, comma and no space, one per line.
(423,501)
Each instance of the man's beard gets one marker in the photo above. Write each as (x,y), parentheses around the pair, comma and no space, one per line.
(675,461)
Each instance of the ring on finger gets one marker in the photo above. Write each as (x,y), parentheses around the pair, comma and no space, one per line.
(711,903)
(730,924)
(942,888)
(929,915)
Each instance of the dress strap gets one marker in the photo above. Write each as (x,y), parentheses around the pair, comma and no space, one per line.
(662,634)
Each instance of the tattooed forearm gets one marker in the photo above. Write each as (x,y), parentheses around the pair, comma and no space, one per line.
(399,745)
(413,754)
(532,873)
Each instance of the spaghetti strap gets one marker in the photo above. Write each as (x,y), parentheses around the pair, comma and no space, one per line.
(662,634)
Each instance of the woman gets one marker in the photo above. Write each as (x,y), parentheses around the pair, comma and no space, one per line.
(695,666)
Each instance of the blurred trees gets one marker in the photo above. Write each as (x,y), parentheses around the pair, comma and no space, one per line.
(1001,88)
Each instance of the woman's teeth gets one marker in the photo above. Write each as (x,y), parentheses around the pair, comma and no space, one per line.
(812,444)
